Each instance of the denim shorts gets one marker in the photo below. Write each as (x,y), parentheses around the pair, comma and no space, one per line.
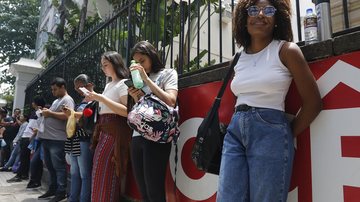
(257,157)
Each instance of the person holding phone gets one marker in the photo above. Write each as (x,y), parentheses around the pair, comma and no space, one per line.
(53,139)
(78,147)
(111,138)
(149,159)
(36,162)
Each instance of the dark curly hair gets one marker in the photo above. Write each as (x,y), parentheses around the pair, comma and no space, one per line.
(146,48)
(118,64)
(282,31)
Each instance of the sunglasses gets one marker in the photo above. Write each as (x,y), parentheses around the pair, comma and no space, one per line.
(268,11)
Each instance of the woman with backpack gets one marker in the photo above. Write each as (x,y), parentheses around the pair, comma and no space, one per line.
(150,158)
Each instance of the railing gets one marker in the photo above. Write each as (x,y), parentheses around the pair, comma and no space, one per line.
(189,38)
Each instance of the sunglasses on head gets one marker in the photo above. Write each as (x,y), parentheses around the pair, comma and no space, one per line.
(268,11)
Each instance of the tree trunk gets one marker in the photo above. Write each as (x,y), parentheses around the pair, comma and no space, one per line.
(82,17)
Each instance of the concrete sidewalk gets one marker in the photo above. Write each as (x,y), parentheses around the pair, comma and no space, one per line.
(17,191)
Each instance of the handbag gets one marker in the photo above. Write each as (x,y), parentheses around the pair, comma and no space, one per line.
(88,120)
(154,119)
(206,151)
(71,124)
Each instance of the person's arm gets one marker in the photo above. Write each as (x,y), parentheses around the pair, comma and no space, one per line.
(118,108)
(294,60)
(19,134)
(2,130)
(67,112)
(57,115)
(9,124)
(168,96)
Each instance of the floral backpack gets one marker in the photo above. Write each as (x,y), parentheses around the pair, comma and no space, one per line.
(154,119)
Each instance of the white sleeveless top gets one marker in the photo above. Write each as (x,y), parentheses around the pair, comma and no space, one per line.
(261,80)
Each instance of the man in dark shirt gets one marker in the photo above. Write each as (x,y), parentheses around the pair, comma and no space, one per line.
(11,124)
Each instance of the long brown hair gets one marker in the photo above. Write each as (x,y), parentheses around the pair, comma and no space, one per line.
(118,64)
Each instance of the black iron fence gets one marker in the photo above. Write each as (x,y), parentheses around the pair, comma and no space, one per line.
(189,37)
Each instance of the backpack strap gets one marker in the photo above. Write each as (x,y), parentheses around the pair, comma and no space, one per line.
(228,75)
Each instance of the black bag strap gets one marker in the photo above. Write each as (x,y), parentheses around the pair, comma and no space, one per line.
(228,76)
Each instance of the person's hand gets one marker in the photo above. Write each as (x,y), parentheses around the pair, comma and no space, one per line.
(141,70)
(135,93)
(46,112)
(35,130)
(66,111)
(92,95)
(14,144)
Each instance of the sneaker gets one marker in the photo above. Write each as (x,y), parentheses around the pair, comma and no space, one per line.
(14,179)
(24,177)
(32,185)
(4,169)
(58,197)
(47,195)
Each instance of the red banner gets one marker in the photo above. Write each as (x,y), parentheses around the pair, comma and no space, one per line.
(326,166)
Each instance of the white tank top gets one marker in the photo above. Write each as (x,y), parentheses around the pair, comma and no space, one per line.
(261,80)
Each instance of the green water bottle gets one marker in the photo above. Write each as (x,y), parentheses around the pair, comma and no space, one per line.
(135,75)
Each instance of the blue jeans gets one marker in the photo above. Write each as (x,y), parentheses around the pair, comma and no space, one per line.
(14,157)
(54,156)
(257,157)
(81,174)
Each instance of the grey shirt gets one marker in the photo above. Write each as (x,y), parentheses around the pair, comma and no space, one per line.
(55,129)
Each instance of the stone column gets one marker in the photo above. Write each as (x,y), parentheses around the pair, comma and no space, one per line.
(24,70)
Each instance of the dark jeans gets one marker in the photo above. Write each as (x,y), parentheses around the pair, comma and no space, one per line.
(36,165)
(24,158)
(149,160)
(54,156)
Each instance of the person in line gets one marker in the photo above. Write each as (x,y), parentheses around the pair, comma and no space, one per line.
(36,162)
(149,159)
(78,147)
(3,119)
(15,153)
(12,125)
(53,140)
(24,141)
(258,148)
(112,135)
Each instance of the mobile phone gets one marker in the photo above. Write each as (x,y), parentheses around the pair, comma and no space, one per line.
(84,90)
(129,83)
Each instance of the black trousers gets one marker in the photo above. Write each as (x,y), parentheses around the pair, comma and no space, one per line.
(149,161)
(24,158)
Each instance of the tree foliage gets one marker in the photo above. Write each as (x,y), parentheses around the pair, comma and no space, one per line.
(73,22)
(18,24)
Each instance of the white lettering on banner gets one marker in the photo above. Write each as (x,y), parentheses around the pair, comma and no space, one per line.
(195,189)
(339,72)
(293,196)
(330,171)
